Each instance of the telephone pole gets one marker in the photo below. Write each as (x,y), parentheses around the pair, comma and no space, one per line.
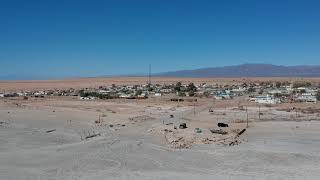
(259,112)
(194,108)
(149,81)
(247,116)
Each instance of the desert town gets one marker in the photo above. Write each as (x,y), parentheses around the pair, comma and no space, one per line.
(106,129)
(263,92)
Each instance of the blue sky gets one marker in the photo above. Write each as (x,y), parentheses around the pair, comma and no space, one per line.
(56,38)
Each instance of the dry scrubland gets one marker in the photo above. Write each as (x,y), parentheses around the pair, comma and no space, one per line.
(66,138)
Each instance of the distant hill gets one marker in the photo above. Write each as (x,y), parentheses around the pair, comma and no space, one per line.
(248,70)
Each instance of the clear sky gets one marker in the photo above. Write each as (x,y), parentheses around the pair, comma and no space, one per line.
(107,37)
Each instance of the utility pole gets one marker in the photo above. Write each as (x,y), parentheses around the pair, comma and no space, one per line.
(194,108)
(149,81)
(247,116)
(259,112)
(212,104)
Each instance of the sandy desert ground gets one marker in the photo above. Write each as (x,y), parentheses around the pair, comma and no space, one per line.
(50,139)
(96,82)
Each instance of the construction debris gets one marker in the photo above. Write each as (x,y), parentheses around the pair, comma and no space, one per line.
(241,132)
(52,130)
(183,126)
(236,141)
(218,131)
(223,125)
(138,119)
(197,130)
(93,135)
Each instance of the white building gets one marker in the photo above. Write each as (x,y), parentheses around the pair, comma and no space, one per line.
(239,90)
(101,91)
(87,98)
(1,95)
(275,91)
(125,96)
(307,97)
(166,90)
(265,100)
(22,94)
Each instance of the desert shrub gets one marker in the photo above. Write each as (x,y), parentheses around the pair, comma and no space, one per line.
(138,92)
(251,90)
(318,95)
(191,87)
(301,84)
(95,94)
(180,93)
(177,88)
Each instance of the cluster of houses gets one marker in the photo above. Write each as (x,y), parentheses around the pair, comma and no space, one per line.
(258,92)
(41,93)
(125,91)
(287,94)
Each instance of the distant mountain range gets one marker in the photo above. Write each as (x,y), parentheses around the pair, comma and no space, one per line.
(249,70)
(243,70)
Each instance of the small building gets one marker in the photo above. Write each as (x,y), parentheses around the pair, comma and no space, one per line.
(125,96)
(88,98)
(307,97)
(239,90)
(265,100)
(101,91)
(142,96)
(223,95)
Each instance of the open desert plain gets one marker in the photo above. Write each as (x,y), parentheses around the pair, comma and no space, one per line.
(65,137)
(159,90)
